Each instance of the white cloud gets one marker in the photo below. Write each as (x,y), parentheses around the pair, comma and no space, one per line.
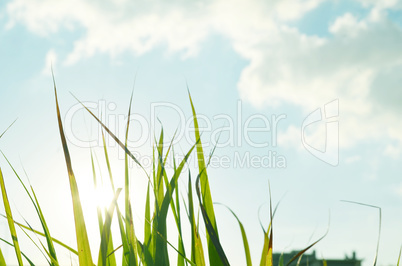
(114,27)
(356,64)
(118,26)
(309,72)
(294,9)
(383,4)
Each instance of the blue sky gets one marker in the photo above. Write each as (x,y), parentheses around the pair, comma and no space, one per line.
(259,59)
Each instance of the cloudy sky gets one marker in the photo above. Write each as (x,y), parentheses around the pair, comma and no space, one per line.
(303,93)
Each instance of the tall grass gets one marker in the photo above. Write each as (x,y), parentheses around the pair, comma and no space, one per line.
(163,191)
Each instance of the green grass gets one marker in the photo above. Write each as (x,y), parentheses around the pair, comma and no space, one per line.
(163,191)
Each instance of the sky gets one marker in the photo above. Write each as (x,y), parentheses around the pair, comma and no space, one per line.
(301,94)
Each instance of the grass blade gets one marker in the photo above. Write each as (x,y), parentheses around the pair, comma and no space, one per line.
(2,260)
(35,202)
(106,233)
(111,260)
(112,135)
(162,214)
(42,234)
(160,171)
(148,247)
(299,254)
(109,169)
(98,209)
(197,252)
(180,259)
(10,220)
(52,251)
(266,257)
(379,225)
(222,259)
(132,240)
(310,246)
(281,260)
(22,253)
(244,236)
(161,252)
(7,128)
(124,239)
(84,252)
(214,257)
(47,253)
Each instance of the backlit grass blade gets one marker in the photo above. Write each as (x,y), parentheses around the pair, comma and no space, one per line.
(266,257)
(106,234)
(7,128)
(116,249)
(244,236)
(124,240)
(214,258)
(124,147)
(148,247)
(35,202)
(112,135)
(126,249)
(160,171)
(161,179)
(175,249)
(10,220)
(175,207)
(98,210)
(271,237)
(281,260)
(132,240)
(379,225)
(52,251)
(43,247)
(161,216)
(84,252)
(109,169)
(120,218)
(111,260)
(265,250)
(22,253)
(304,250)
(299,254)
(399,257)
(160,231)
(197,252)
(173,181)
(222,259)
(175,210)
(126,252)
(180,259)
(2,260)
(299,260)
(42,234)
